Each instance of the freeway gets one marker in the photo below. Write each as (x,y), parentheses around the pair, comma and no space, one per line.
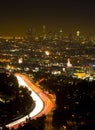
(43,104)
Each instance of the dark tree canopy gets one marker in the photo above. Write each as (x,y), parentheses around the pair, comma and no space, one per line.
(8,86)
(15,100)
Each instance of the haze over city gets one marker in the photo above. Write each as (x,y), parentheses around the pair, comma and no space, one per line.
(70,15)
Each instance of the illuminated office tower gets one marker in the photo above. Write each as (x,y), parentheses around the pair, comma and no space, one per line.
(70,37)
(29,34)
(44,32)
(50,35)
(78,33)
(44,29)
(61,34)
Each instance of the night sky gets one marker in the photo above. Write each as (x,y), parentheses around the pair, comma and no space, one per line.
(16,16)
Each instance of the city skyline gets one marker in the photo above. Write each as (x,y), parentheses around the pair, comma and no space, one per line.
(16,17)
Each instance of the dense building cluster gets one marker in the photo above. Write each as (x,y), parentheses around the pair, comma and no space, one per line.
(67,66)
(48,53)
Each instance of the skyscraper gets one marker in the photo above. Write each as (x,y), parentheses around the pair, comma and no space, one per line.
(44,32)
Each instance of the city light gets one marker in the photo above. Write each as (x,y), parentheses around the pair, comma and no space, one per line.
(47,53)
(69,63)
(20,60)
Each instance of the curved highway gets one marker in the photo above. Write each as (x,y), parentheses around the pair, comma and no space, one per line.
(43,104)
